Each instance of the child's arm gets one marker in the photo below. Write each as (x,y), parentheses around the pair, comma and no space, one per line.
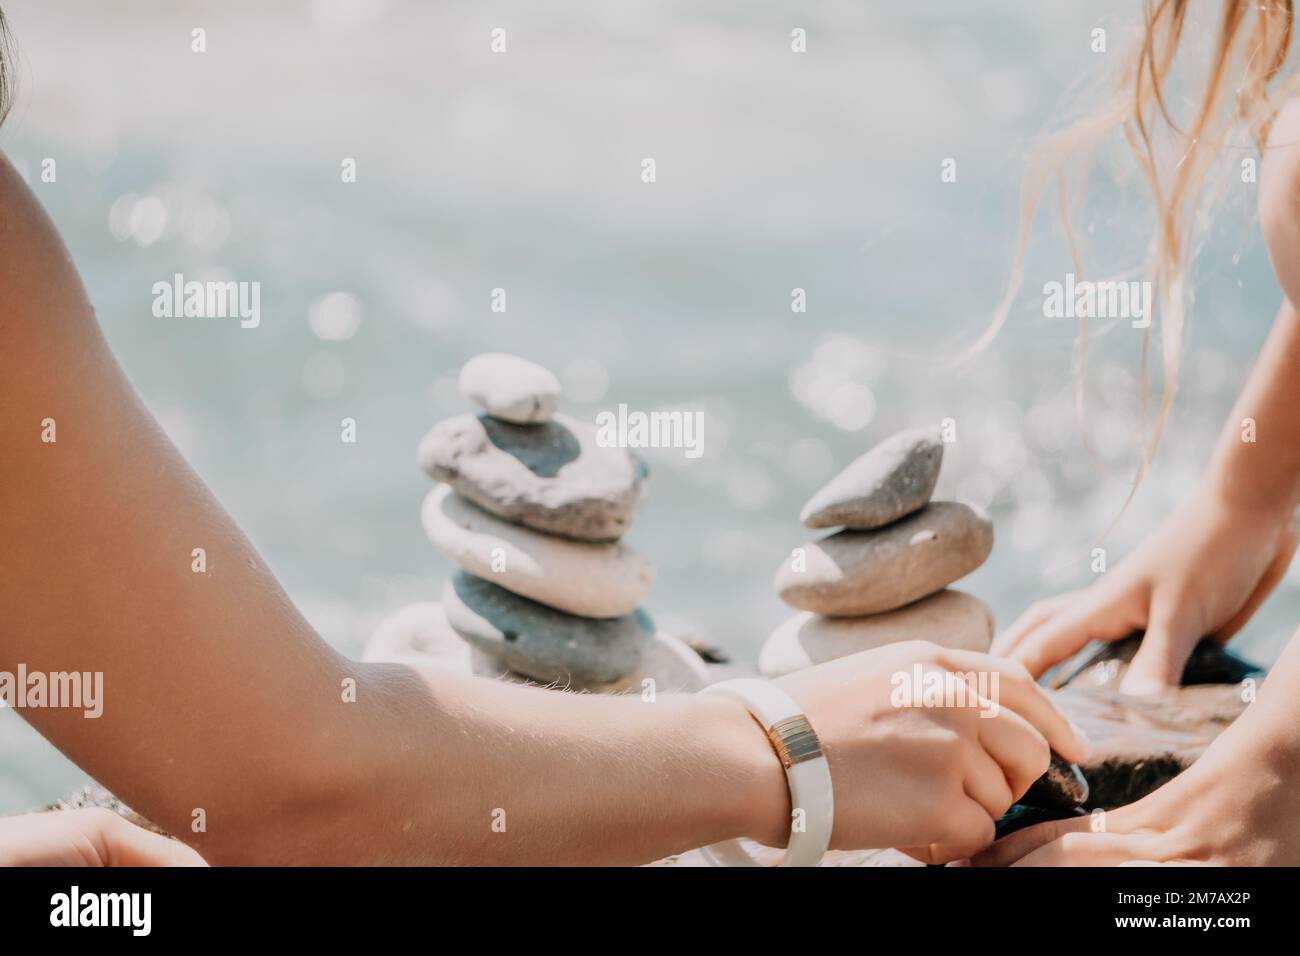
(1215,559)
(221,706)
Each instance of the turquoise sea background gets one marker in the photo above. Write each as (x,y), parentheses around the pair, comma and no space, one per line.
(522,171)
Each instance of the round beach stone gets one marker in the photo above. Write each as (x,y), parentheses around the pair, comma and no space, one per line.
(893,479)
(587,578)
(672,664)
(952,619)
(553,477)
(418,633)
(852,573)
(485,665)
(510,388)
(540,642)
(694,636)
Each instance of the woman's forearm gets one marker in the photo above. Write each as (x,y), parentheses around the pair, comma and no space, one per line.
(450,769)
(1256,462)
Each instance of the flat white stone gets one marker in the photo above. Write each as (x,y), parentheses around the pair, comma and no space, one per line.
(555,477)
(510,388)
(418,633)
(671,664)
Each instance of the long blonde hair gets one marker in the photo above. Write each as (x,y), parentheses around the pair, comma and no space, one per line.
(6,70)
(1249,52)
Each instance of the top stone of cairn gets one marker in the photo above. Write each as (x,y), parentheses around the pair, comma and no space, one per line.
(510,388)
(890,481)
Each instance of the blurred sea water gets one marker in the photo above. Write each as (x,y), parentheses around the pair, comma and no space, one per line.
(521,171)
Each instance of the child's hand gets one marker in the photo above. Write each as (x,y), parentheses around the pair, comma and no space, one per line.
(1203,572)
(1235,806)
(88,837)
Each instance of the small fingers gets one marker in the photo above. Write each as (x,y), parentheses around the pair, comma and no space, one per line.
(1033,616)
(1097,617)
(1170,636)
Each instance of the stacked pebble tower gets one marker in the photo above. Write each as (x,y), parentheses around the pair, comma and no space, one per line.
(885,576)
(531,509)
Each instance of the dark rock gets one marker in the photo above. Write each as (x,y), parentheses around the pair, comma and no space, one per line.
(709,653)
(1105,665)
(1021,816)
(540,642)
(1140,743)
(1062,787)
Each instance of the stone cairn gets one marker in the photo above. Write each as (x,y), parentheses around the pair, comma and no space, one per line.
(531,509)
(884,577)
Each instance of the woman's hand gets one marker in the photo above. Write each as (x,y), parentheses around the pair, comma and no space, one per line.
(1204,571)
(87,837)
(929,778)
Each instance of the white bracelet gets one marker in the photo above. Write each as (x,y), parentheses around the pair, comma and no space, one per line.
(806,771)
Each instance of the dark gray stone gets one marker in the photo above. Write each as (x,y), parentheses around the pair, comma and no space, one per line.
(1062,787)
(1105,665)
(1142,742)
(540,642)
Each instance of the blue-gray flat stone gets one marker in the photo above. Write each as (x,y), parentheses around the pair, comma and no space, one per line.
(541,642)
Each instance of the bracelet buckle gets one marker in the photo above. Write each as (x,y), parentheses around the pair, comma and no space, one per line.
(794,740)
